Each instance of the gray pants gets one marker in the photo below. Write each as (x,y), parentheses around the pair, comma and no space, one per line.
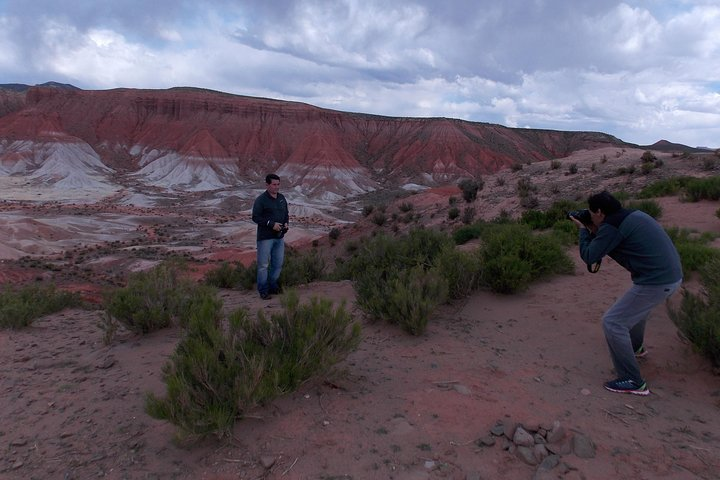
(624,325)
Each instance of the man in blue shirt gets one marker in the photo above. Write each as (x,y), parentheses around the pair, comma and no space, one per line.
(639,244)
(270,212)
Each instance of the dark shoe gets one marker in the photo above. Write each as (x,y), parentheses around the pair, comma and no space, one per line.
(265,296)
(275,291)
(641,352)
(627,386)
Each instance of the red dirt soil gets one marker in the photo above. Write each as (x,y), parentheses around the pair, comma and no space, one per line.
(400,407)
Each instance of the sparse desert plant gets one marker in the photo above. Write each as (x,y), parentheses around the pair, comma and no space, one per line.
(512,257)
(573,168)
(225,276)
(379,218)
(693,248)
(20,306)
(405,207)
(406,297)
(367,210)
(525,187)
(334,233)
(301,268)
(698,317)
(152,299)
(218,373)
(453,213)
(555,164)
(647,157)
(651,207)
(500,181)
(647,167)
(516,167)
(664,187)
(470,189)
(460,269)
(468,215)
(698,189)
(452,201)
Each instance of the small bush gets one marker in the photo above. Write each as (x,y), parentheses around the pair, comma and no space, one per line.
(379,218)
(693,248)
(470,189)
(698,316)
(405,298)
(461,270)
(334,233)
(555,164)
(651,207)
(300,269)
(468,215)
(512,256)
(647,157)
(453,213)
(664,188)
(573,169)
(367,210)
(647,167)
(703,189)
(405,207)
(19,307)
(151,300)
(216,374)
(230,276)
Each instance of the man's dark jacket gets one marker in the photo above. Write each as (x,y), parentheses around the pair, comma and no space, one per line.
(268,210)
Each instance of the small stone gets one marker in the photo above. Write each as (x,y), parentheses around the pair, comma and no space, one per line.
(582,446)
(485,441)
(560,448)
(17,464)
(18,443)
(540,453)
(539,439)
(106,363)
(522,438)
(557,434)
(429,464)
(510,428)
(550,462)
(498,430)
(267,461)
(585,392)
(526,455)
(461,389)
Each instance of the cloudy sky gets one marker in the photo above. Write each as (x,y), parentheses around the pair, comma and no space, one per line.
(642,70)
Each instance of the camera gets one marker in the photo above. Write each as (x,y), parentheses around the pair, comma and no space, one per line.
(582,215)
(283,230)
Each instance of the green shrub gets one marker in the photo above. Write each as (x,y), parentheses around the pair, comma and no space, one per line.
(466,233)
(20,306)
(698,316)
(367,210)
(152,299)
(651,207)
(461,270)
(470,189)
(664,188)
(453,213)
(405,297)
(334,233)
(217,373)
(537,219)
(693,248)
(379,218)
(468,215)
(703,189)
(512,257)
(301,268)
(230,276)
(405,207)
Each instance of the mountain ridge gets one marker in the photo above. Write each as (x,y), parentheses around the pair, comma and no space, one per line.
(205,140)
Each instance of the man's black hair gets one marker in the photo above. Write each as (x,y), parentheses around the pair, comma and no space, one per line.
(605,202)
(270,177)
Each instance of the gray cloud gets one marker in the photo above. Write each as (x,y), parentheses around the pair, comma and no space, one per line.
(641,69)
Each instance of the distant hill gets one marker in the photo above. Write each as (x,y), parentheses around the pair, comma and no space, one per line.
(665,146)
(197,140)
(21,87)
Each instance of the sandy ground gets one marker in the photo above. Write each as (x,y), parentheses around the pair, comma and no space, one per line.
(400,407)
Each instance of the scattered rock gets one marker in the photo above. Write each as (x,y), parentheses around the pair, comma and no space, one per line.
(522,438)
(526,455)
(106,363)
(18,443)
(485,441)
(498,430)
(582,446)
(267,461)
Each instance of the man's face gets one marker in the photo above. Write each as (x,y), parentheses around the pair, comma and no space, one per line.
(273,187)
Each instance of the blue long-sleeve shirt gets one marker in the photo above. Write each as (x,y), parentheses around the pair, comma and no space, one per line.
(637,242)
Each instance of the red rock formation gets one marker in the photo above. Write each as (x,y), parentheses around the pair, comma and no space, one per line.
(232,139)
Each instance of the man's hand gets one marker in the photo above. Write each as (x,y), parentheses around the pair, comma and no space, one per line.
(277,226)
